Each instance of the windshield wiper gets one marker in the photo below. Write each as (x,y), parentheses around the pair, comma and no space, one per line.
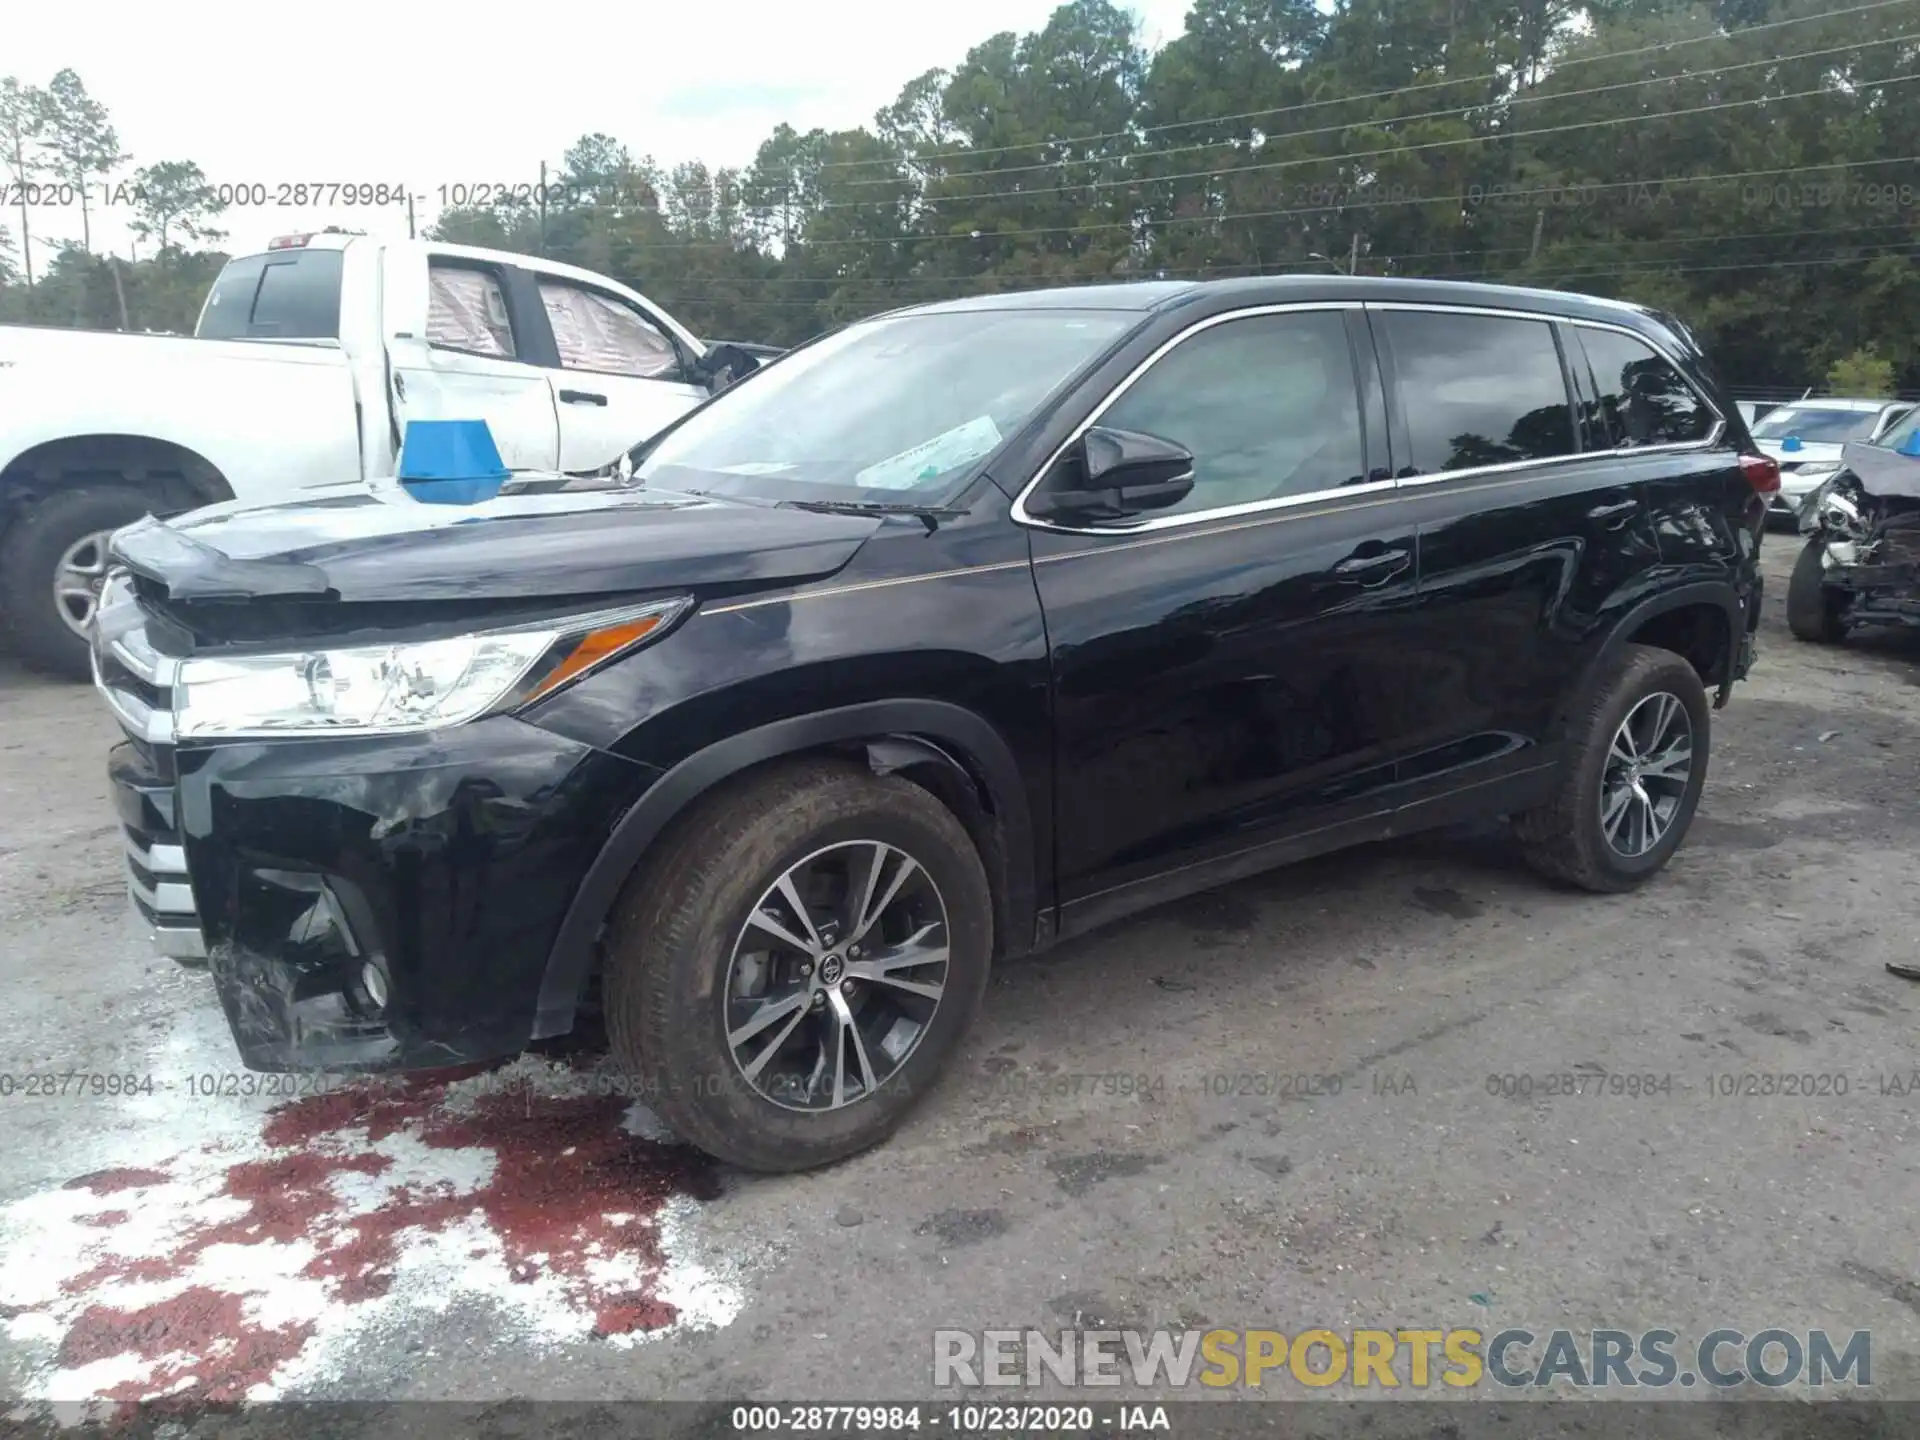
(929,515)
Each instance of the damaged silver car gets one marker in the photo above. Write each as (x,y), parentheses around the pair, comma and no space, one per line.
(1861,563)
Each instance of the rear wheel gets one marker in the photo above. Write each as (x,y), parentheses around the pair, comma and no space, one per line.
(790,974)
(52,564)
(1632,778)
(1814,608)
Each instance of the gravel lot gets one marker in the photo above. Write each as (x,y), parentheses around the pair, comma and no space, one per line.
(498,1239)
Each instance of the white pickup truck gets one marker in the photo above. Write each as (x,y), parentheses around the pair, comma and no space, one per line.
(306,364)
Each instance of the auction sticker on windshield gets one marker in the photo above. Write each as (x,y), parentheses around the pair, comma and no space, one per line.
(932,458)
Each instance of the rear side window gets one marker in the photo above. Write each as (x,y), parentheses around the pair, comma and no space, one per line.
(467,310)
(282,295)
(597,332)
(1643,399)
(1478,389)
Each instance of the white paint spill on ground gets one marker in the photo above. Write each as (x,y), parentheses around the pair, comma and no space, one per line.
(235,1247)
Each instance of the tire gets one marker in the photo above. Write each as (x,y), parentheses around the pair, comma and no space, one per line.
(669,981)
(1814,608)
(30,556)
(1567,838)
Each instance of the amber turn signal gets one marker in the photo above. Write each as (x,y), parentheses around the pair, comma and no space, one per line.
(594,647)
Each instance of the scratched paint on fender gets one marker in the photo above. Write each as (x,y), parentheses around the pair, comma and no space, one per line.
(241,1268)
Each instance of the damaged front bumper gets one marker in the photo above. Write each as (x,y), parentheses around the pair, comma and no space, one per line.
(362,904)
(1879,590)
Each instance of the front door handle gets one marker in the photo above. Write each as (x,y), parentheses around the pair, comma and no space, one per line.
(1608,512)
(1374,569)
(581,397)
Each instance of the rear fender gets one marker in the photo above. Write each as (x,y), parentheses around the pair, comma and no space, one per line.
(1718,593)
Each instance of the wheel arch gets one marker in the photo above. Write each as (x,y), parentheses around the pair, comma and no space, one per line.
(176,477)
(1673,620)
(951,751)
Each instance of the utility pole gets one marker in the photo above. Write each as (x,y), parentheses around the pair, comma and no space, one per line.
(1353,255)
(410,234)
(119,290)
(1539,225)
(542,197)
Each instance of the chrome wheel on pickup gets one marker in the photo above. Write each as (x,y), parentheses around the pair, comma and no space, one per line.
(792,965)
(53,561)
(77,579)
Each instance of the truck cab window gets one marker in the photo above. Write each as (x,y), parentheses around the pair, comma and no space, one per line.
(283,295)
(467,310)
(597,332)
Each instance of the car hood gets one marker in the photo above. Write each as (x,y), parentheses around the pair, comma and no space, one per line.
(1880,471)
(375,542)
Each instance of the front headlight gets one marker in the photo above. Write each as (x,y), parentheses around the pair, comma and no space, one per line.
(1829,507)
(414,685)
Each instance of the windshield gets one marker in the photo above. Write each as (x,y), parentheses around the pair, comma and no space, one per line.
(1816,424)
(901,409)
(1900,434)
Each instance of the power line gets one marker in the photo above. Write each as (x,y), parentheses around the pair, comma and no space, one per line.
(838,283)
(1389,151)
(1752,265)
(1548,280)
(1533,98)
(1451,198)
(1397,90)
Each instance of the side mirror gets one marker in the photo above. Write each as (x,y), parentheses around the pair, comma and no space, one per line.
(1124,472)
(723,364)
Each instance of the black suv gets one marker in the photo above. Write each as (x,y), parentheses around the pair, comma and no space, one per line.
(961,630)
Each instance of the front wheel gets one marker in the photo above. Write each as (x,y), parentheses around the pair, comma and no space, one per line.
(790,974)
(1814,608)
(1636,765)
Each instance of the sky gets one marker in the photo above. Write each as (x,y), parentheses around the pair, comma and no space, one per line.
(431,95)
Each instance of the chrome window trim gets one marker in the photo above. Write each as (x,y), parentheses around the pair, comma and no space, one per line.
(1288,502)
(1021,516)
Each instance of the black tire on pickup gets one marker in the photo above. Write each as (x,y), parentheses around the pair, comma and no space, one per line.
(34,552)
(727,1027)
(1814,608)
(1573,838)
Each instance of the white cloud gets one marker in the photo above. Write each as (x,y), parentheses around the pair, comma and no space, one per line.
(428,96)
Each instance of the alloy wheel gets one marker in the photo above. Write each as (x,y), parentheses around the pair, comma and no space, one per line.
(836,976)
(1648,766)
(78,578)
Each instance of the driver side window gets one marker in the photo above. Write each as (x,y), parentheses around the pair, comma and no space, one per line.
(1267,406)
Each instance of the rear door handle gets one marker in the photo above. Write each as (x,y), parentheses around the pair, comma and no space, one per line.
(1618,507)
(581,397)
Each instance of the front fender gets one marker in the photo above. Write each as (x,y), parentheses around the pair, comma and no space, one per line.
(953,728)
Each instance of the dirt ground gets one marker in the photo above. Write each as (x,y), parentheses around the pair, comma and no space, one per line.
(1318,1098)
